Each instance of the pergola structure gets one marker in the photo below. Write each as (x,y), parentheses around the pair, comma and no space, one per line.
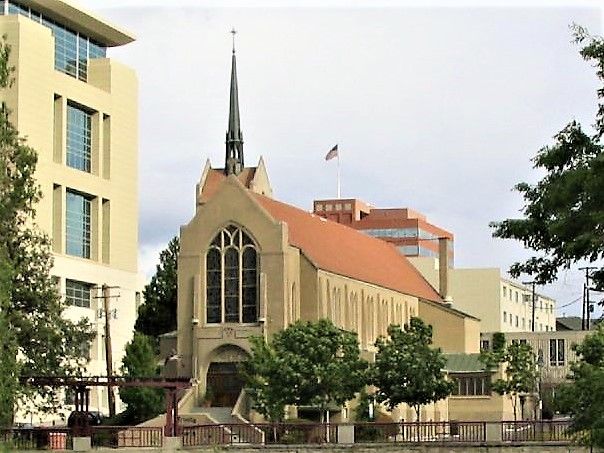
(81,385)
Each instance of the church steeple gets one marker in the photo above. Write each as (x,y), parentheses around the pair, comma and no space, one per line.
(233,163)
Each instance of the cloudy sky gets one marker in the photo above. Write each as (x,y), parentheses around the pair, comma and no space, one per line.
(435,108)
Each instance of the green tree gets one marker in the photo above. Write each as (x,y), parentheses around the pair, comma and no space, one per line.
(262,374)
(582,397)
(407,369)
(47,344)
(306,364)
(520,373)
(140,361)
(158,314)
(9,370)
(564,212)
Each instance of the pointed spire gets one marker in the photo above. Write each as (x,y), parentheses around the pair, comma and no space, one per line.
(234,140)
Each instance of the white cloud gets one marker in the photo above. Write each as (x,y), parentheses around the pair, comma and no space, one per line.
(148,258)
(437,109)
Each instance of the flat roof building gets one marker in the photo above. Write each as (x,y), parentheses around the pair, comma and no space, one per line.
(408,230)
(79,110)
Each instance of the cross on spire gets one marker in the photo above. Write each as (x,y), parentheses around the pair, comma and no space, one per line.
(233,32)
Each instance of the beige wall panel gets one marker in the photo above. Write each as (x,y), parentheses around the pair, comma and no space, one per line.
(451,331)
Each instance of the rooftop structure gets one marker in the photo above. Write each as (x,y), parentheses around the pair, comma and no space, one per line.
(408,230)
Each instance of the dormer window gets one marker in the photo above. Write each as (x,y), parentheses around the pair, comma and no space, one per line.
(232,278)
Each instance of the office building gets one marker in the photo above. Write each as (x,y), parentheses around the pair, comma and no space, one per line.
(78,109)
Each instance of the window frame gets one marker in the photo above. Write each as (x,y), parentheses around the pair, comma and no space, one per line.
(465,381)
(79,139)
(242,242)
(557,352)
(83,286)
(86,225)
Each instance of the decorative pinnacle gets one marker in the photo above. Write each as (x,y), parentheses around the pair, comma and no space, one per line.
(233,32)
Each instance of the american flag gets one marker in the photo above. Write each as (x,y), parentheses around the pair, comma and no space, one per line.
(333,152)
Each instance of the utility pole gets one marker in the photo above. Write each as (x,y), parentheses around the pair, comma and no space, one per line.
(106,296)
(533,302)
(585,321)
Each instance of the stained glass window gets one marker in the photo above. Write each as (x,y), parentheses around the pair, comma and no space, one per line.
(232,278)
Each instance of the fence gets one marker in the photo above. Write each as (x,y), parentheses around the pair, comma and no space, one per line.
(536,431)
(466,433)
(36,438)
(126,436)
(474,432)
(259,433)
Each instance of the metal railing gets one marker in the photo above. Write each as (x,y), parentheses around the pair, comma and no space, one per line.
(259,433)
(126,436)
(536,431)
(36,438)
(449,432)
(413,432)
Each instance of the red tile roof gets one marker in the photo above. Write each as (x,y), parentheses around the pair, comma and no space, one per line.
(216,176)
(342,250)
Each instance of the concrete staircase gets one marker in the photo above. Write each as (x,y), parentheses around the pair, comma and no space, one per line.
(220,415)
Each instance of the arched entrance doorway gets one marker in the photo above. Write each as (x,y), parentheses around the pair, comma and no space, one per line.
(223,381)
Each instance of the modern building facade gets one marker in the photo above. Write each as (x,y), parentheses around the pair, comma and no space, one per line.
(78,109)
(501,304)
(408,230)
(554,355)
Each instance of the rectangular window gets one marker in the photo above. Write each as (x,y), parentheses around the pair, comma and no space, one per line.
(505,291)
(484,345)
(77,219)
(517,321)
(77,293)
(556,352)
(409,249)
(472,385)
(79,138)
(392,232)
(72,49)
(505,316)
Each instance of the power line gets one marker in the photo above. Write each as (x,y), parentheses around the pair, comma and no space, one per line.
(570,303)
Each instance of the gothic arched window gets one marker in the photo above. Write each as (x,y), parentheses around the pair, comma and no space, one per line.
(232,278)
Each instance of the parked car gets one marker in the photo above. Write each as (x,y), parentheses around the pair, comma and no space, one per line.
(81,418)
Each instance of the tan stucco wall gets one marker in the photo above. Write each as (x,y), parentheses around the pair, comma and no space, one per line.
(479,292)
(451,331)
(480,408)
(361,307)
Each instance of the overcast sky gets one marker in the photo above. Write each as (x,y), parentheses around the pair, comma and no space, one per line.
(438,109)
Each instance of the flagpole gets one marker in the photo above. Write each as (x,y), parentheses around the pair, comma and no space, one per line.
(338,174)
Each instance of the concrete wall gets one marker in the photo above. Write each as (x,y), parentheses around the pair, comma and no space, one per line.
(452,331)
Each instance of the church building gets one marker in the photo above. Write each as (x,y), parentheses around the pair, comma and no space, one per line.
(251,265)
